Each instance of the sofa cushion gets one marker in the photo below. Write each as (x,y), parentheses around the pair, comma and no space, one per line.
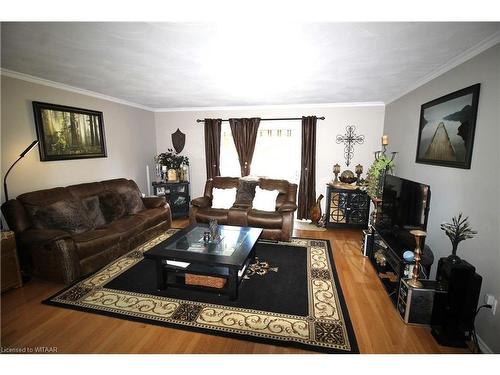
(265,219)
(128,191)
(86,190)
(68,215)
(246,191)
(153,216)
(205,214)
(45,197)
(94,212)
(95,241)
(112,205)
(223,198)
(282,186)
(132,201)
(265,200)
(128,226)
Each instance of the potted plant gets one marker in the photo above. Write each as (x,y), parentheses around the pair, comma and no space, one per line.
(458,230)
(375,176)
(172,162)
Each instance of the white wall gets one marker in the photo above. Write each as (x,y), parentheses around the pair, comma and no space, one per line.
(130,139)
(367,119)
(475,192)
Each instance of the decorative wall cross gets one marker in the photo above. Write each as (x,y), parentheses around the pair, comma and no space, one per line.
(350,139)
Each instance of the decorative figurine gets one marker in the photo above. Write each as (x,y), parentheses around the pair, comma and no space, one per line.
(214,229)
(336,171)
(359,171)
(315,212)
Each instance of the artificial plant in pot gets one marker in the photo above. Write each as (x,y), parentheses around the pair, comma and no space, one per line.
(458,230)
(375,176)
(172,161)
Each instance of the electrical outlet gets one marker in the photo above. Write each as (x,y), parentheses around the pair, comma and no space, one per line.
(492,301)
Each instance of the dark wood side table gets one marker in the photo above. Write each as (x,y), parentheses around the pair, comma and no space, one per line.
(11,272)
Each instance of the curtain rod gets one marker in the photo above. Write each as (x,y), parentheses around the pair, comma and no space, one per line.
(274,119)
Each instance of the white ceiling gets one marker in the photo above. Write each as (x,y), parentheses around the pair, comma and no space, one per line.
(178,65)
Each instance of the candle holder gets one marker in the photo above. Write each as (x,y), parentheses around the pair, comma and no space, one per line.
(336,171)
(359,170)
(419,234)
(373,217)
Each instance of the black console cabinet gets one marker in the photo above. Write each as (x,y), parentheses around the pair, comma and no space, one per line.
(177,195)
(347,208)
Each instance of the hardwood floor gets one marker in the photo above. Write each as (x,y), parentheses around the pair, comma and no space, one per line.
(26,323)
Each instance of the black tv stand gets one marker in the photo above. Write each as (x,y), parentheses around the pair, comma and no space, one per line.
(391,267)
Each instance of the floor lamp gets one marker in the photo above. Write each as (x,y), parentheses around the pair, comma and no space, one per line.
(28,149)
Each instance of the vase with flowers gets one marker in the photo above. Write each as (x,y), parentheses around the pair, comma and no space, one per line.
(458,230)
(172,161)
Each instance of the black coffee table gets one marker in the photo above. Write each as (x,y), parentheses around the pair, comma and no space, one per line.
(186,253)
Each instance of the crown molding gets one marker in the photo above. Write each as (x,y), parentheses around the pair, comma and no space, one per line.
(62,86)
(457,60)
(271,106)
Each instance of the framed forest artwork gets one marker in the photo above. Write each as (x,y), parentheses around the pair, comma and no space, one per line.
(69,133)
(447,127)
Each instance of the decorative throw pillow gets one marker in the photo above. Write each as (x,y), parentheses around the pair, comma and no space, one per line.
(132,201)
(112,205)
(68,215)
(94,212)
(265,200)
(246,191)
(223,198)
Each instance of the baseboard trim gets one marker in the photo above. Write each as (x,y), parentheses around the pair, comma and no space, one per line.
(485,349)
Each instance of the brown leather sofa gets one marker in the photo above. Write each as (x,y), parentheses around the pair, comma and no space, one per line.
(277,225)
(67,232)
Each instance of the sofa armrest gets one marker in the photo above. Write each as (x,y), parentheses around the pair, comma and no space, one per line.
(40,237)
(287,207)
(52,253)
(202,202)
(154,202)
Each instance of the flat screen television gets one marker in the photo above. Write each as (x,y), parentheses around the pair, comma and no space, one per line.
(405,206)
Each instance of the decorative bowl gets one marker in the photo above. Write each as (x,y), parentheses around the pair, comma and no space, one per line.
(348,177)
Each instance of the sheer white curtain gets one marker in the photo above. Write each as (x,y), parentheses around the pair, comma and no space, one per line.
(276,155)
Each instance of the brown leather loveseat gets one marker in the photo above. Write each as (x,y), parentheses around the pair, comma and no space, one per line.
(277,224)
(67,232)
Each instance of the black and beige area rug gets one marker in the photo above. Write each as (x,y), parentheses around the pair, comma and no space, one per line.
(290,296)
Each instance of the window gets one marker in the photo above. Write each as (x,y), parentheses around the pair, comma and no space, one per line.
(275,155)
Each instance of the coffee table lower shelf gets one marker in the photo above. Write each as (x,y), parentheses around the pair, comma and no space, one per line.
(173,276)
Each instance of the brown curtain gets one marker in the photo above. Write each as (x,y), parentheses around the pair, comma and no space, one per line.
(212,146)
(307,186)
(244,132)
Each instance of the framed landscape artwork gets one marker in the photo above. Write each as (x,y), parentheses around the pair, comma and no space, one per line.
(68,133)
(447,127)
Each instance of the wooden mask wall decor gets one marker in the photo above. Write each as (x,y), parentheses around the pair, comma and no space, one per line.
(178,140)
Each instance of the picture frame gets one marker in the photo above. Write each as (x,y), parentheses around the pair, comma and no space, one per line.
(446,129)
(66,133)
